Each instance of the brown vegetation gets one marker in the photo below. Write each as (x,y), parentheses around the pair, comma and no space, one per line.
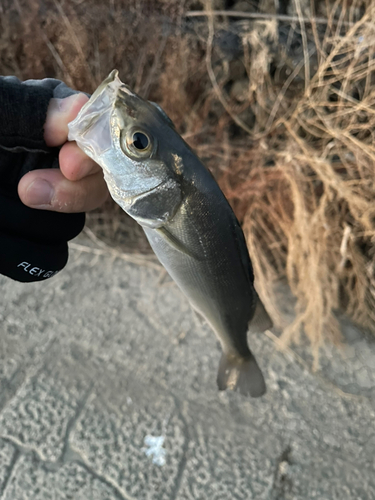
(280,106)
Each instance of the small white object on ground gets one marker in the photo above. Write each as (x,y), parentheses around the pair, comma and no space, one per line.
(155,449)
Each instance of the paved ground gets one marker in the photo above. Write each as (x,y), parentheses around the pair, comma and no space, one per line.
(108,353)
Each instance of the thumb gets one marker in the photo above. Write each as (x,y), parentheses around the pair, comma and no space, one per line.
(60,113)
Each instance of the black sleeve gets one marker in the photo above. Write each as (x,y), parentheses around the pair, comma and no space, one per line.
(33,243)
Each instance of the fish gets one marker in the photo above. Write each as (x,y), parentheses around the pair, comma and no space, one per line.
(157,179)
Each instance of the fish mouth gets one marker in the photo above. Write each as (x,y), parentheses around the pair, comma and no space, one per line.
(91,128)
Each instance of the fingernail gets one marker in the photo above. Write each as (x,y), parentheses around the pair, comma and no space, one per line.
(40,192)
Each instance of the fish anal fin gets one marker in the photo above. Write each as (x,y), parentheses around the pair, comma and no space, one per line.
(242,375)
(175,242)
(260,320)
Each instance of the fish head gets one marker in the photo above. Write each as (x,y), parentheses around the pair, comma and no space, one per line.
(126,135)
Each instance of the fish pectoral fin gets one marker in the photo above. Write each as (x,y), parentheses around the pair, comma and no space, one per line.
(261,320)
(175,242)
(242,375)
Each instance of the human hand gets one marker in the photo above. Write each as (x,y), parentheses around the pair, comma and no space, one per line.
(78,186)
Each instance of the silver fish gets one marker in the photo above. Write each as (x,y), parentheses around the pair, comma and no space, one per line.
(159,181)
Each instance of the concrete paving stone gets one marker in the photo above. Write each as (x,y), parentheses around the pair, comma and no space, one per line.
(110,435)
(31,479)
(222,464)
(110,352)
(333,479)
(40,414)
(25,336)
(8,455)
(349,366)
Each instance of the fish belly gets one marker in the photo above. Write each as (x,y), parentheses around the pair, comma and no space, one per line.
(214,283)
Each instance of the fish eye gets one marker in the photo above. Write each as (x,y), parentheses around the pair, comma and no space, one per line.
(140,141)
(137,144)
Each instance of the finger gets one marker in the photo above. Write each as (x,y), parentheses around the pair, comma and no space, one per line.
(48,189)
(75,164)
(60,113)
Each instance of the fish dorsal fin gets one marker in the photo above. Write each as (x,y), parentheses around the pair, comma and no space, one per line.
(261,320)
(243,251)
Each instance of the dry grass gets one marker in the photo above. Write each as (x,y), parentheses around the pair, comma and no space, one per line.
(283,114)
(305,190)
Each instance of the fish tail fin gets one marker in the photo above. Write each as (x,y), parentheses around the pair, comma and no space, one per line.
(242,375)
